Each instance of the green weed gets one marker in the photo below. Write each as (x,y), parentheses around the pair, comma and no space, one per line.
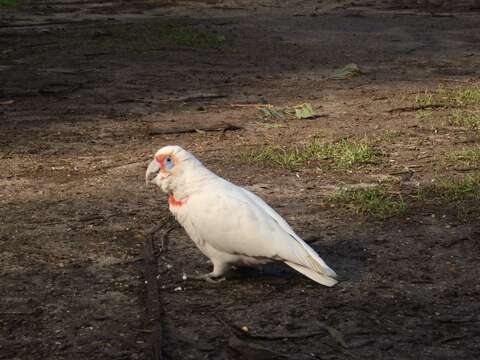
(386,136)
(449,96)
(465,119)
(468,96)
(377,201)
(424,99)
(452,189)
(424,114)
(343,154)
(468,156)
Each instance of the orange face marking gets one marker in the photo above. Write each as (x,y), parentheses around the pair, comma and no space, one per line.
(172,200)
(160,158)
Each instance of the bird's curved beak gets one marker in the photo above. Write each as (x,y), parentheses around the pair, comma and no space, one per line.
(152,171)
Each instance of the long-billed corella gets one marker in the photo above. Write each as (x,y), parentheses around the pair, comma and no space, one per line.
(229,224)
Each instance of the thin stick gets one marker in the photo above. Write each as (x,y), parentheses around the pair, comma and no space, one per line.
(334,333)
(420,107)
(220,128)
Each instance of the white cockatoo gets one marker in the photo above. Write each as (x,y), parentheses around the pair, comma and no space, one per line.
(229,224)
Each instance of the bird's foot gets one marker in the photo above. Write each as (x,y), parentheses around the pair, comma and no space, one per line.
(210,277)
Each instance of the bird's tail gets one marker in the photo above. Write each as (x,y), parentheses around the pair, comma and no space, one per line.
(315,276)
(312,260)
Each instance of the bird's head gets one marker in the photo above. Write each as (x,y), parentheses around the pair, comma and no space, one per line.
(169,167)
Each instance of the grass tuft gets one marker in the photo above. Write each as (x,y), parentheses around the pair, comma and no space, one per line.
(468,96)
(343,154)
(377,202)
(459,189)
(453,189)
(449,96)
(465,119)
(468,156)
(424,114)
(424,98)
(348,153)
(386,136)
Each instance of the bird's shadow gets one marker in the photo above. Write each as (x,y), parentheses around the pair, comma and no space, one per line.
(345,256)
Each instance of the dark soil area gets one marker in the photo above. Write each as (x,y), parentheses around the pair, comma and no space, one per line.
(85,87)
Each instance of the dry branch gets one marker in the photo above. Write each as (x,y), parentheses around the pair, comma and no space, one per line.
(215,128)
(419,107)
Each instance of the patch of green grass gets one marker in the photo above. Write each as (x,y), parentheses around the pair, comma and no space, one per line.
(465,119)
(468,96)
(468,156)
(424,114)
(424,98)
(377,201)
(148,36)
(343,154)
(8,2)
(348,153)
(449,96)
(284,157)
(386,136)
(453,189)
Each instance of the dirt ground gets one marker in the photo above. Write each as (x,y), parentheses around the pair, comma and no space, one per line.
(82,85)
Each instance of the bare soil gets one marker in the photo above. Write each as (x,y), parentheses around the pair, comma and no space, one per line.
(78,100)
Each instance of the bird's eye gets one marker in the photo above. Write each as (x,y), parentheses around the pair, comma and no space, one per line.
(168,163)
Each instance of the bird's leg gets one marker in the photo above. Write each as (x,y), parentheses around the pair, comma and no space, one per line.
(216,276)
(210,277)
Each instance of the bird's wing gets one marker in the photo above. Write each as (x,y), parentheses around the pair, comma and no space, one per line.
(315,261)
(234,220)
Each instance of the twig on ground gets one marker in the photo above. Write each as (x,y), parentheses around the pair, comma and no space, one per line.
(452,338)
(247,350)
(215,128)
(246,105)
(455,242)
(18,312)
(466,169)
(59,88)
(42,24)
(334,333)
(191,98)
(419,107)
